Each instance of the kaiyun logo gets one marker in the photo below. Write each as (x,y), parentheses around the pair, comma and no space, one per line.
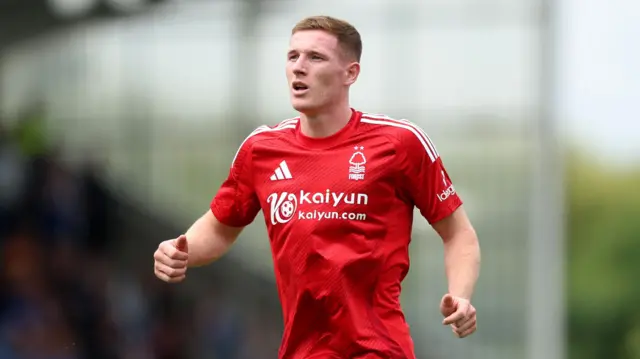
(285,205)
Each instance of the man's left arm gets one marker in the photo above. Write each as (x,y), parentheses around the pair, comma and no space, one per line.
(461,253)
(428,184)
(462,265)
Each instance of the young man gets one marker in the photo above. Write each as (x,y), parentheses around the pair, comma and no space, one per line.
(338,188)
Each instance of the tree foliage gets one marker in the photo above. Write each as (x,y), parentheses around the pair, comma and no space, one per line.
(604,260)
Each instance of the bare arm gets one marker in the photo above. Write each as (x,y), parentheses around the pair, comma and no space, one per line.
(234,206)
(461,253)
(209,239)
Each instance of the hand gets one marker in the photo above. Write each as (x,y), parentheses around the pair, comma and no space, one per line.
(171,260)
(460,314)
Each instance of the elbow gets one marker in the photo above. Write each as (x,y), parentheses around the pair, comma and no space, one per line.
(466,235)
(463,243)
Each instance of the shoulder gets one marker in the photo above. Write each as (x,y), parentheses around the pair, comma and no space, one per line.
(400,129)
(408,136)
(265,132)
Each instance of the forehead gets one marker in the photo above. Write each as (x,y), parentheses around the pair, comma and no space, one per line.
(313,40)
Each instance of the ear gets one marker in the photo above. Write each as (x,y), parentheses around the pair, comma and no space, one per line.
(352,73)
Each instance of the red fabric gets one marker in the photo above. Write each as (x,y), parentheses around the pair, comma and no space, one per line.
(339,212)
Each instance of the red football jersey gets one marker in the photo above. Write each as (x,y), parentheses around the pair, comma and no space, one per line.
(339,213)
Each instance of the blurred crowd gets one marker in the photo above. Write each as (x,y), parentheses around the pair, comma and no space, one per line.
(65,295)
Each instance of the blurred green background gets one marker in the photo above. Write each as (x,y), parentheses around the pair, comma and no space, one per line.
(603,234)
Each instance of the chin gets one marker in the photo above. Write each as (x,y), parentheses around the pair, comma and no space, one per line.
(303,105)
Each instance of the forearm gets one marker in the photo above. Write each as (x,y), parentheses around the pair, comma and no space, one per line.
(208,240)
(462,262)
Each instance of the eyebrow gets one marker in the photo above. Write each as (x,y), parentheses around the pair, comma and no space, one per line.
(312,52)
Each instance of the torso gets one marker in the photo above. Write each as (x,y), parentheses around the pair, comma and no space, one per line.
(339,229)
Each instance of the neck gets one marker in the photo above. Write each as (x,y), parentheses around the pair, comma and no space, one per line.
(325,123)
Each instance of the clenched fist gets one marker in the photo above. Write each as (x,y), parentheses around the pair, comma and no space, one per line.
(171,260)
(459,314)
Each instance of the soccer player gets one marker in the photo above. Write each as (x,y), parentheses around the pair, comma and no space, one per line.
(337,187)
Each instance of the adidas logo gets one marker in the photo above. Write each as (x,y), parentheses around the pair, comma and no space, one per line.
(282,172)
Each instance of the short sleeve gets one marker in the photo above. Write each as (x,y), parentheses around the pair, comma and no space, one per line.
(424,178)
(236,203)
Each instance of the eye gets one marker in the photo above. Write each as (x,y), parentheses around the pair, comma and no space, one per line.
(316,57)
(292,57)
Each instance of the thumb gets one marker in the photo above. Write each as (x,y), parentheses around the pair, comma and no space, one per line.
(448,304)
(181,243)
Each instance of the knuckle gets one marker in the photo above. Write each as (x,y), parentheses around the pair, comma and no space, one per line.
(166,245)
(161,276)
(176,272)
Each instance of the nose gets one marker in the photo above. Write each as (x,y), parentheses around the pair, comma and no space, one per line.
(299,68)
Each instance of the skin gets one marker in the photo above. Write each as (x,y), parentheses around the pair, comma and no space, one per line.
(316,60)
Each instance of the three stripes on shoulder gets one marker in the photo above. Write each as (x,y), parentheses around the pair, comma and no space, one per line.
(282,171)
(424,139)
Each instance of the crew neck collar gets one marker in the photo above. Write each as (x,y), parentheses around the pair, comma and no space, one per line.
(328,141)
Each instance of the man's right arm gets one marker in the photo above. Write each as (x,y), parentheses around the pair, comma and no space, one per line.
(232,208)
(209,239)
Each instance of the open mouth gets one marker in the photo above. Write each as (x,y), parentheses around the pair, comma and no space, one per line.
(299,86)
